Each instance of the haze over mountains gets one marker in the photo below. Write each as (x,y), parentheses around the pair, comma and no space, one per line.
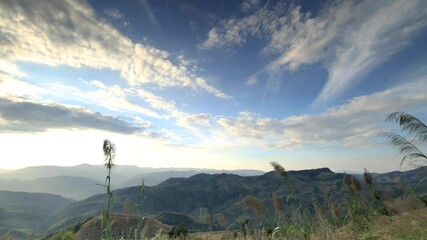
(81,181)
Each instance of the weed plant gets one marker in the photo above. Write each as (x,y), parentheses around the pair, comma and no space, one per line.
(109,153)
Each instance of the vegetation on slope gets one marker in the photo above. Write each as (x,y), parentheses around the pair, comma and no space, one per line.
(22,214)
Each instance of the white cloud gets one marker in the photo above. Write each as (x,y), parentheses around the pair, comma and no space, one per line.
(249,5)
(76,37)
(9,86)
(116,98)
(10,69)
(158,102)
(234,32)
(301,39)
(383,32)
(23,115)
(357,122)
(114,13)
(195,121)
(350,38)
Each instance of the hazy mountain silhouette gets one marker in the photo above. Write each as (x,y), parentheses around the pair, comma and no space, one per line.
(76,188)
(28,212)
(79,182)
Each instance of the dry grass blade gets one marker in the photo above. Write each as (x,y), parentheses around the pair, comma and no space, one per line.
(368,177)
(347,180)
(325,190)
(334,212)
(255,204)
(351,183)
(355,184)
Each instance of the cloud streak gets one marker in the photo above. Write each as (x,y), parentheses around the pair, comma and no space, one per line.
(385,30)
(349,38)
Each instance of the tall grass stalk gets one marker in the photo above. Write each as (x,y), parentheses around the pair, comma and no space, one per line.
(110,153)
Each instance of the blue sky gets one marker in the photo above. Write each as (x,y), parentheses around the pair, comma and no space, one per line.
(209,84)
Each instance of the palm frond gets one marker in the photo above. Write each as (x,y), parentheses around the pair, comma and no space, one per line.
(416,163)
(404,147)
(411,124)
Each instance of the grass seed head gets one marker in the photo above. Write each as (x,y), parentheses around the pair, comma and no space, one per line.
(280,171)
(334,212)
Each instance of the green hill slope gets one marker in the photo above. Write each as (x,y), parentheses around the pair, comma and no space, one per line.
(223,193)
(219,193)
(23,213)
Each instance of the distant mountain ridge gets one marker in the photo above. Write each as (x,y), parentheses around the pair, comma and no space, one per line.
(79,182)
(76,188)
(98,171)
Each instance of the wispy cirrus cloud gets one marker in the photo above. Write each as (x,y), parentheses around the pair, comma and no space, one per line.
(386,29)
(349,38)
(147,9)
(75,36)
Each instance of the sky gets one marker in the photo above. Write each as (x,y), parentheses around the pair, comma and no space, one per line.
(209,84)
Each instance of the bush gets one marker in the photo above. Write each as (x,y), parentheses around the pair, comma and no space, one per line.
(179,231)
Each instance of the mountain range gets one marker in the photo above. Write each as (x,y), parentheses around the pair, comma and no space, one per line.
(201,194)
(191,200)
(81,181)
